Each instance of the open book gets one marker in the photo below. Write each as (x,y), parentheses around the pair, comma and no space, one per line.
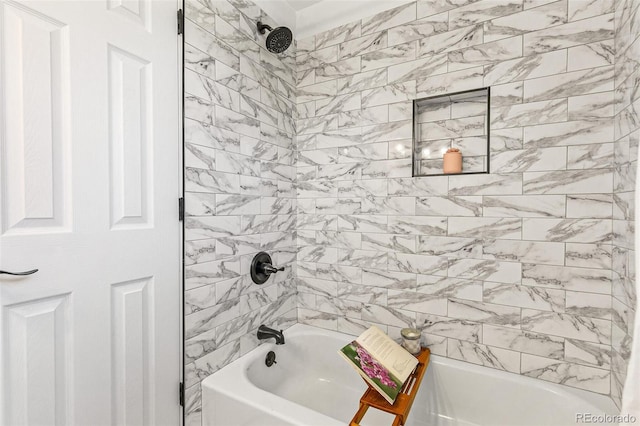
(383,363)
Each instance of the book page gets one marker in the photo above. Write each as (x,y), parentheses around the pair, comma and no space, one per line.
(391,355)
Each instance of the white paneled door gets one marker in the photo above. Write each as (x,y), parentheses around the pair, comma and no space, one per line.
(89,182)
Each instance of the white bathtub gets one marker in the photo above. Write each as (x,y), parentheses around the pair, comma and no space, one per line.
(311,385)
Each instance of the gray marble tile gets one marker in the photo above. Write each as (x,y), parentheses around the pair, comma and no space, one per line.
(447,287)
(491,184)
(198,299)
(568,35)
(527,67)
(539,298)
(523,341)
(389,242)
(417,225)
(389,56)
(567,230)
(568,278)
(255,72)
(482,11)
(193,405)
(454,247)
(457,81)
(589,8)
(276,67)
(486,53)
(524,206)
(339,138)
(569,84)
(623,206)
(528,114)
(342,307)
(623,316)
(590,156)
(338,35)
(580,352)
(486,356)
(200,62)
(362,117)
(568,182)
(391,93)
(418,187)
(483,312)
(445,206)
(450,40)
(210,363)
(205,42)
(506,94)
(418,302)
(342,68)
(199,251)
(419,264)
(429,7)
(397,130)
(529,160)
(316,91)
(419,29)
(506,139)
(449,327)
(569,133)
(489,270)
(600,53)
(199,157)
(538,252)
(597,105)
(199,204)
(231,120)
(207,273)
(418,69)
(588,378)
(569,326)
(362,45)
(588,255)
(589,206)
(389,18)
(363,258)
(203,12)
(485,227)
(200,180)
(588,304)
(507,25)
(237,39)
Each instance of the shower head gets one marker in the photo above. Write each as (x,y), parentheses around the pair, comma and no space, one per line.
(278,40)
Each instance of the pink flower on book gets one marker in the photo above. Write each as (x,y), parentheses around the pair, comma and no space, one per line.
(373,369)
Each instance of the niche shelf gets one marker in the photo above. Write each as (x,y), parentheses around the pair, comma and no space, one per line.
(454,120)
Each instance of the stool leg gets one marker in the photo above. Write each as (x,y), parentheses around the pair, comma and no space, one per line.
(359,415)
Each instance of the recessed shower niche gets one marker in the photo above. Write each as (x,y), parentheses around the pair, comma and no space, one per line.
(448,126)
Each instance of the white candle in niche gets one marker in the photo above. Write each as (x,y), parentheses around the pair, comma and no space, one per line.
(411,340)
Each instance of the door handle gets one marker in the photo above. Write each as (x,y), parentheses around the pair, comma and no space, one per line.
(33,271)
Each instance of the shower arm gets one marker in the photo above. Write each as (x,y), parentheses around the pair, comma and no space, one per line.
(262,27)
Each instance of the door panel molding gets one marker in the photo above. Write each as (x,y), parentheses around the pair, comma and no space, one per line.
(35,135)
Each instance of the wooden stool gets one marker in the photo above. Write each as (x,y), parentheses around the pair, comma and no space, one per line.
(404,401)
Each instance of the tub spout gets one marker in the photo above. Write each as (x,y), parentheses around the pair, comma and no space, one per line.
(265,332)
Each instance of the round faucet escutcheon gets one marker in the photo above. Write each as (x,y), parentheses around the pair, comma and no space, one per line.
(262,268)
(270,359)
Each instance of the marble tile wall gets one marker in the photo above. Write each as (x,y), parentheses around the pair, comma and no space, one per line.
(307,155)
(512,270)
(627,134)
(239,186)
